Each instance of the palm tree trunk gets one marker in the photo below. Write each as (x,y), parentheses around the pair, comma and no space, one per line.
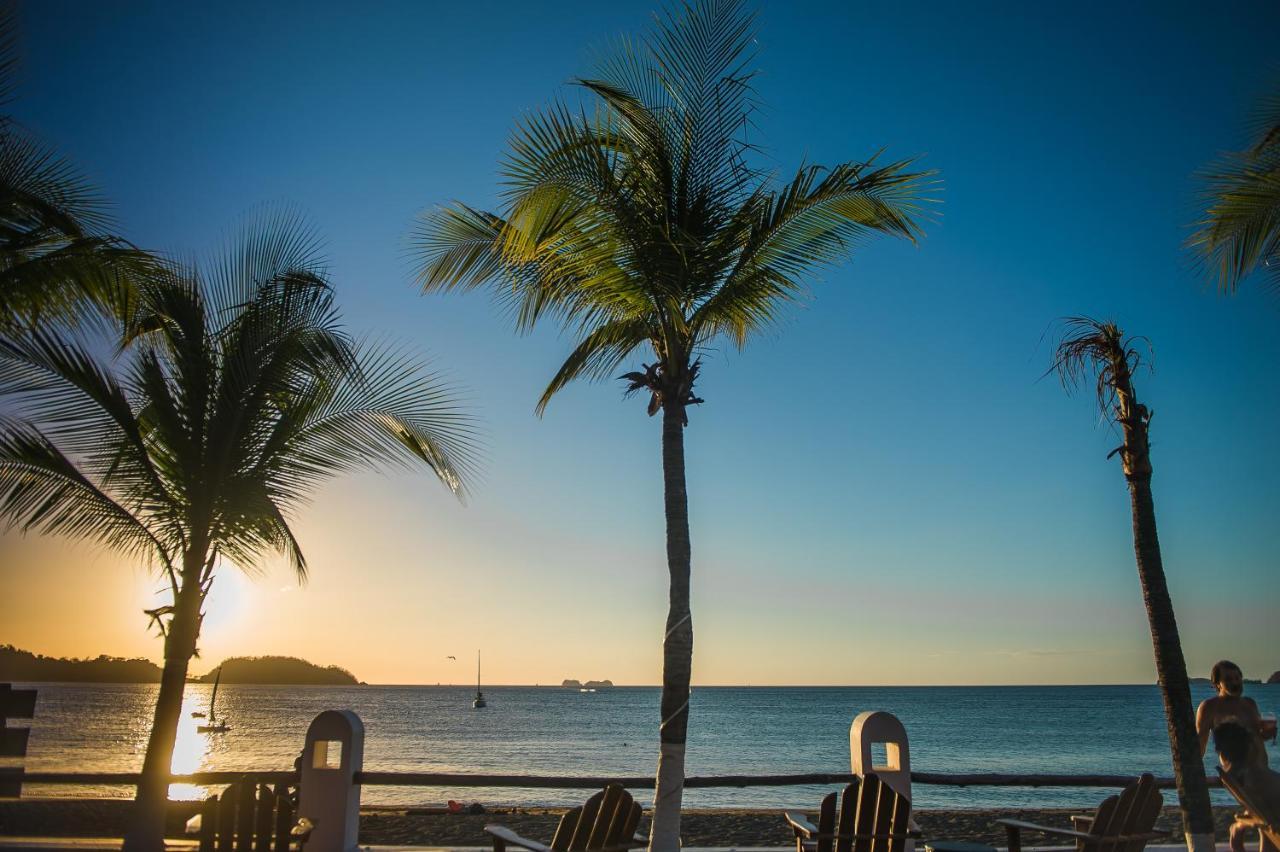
(1171,669)
(677,646)
(146,828)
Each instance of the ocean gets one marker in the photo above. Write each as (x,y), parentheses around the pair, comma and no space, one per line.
(552,731)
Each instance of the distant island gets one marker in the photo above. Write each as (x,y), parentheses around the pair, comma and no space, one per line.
(591,684)
(19,665)
(279,670)
(1275,678)
(1272,679)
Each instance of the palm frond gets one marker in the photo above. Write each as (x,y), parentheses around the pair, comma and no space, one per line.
(42,491)
(391,413)
(1240,231)
(599,354)
(1096,351)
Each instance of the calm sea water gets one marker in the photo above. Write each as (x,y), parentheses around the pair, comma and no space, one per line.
(757,730)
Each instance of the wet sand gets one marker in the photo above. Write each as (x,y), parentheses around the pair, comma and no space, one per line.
(428,826)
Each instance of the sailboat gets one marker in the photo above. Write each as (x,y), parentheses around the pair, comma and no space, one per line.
(479,701)
(214,726)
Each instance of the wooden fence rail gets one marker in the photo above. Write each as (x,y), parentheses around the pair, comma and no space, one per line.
(577,782)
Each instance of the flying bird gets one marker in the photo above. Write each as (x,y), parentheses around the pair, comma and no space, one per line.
(451,657)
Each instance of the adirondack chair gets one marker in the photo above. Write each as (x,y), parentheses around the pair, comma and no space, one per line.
(250,817)
(1254,818)
(1123,823)
(872,817)
(604,823)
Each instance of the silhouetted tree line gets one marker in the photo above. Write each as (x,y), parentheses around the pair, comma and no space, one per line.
(19,665)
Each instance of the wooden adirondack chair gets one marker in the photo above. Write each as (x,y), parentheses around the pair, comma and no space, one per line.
(251,817)
(873,817)
(1123,823)
(604,823)
(1254,818)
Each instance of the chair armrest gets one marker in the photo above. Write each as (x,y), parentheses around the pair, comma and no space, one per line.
(1082,823)
(1045,829)
(507,837)
(800,824)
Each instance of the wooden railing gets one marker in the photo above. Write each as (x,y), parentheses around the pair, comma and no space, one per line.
(579,782)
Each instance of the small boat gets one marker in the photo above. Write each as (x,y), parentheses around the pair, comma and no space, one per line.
(585,689)
(214,726)
(479,701)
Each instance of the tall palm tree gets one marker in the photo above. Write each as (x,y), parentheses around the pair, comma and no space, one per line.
(1240,232)
(236,392)
(56,257)
(638,223)
(1099,352)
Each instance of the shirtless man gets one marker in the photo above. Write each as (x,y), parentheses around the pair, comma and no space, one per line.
(1229,705)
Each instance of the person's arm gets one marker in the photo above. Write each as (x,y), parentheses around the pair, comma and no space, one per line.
(1203,726)
(1257,714)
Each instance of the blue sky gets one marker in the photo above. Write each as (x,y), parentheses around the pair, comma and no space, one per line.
(883,489)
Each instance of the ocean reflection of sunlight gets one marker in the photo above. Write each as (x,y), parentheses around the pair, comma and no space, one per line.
(189,752)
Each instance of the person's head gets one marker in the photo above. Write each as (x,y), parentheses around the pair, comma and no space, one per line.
(1233,742)
(1227,677)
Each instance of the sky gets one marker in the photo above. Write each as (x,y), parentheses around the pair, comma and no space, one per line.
(884,489)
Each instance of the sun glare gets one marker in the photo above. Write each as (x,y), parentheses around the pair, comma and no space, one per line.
(191,750)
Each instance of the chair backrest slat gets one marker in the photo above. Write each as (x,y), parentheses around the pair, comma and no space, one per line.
(1101,825)
(246,808)
(227,820)
(616,831)
(209,824)
(848,811)
(826,822)
(263,827)
(885,808)
(599,829)
(581,834)
(901,820)
(1146,814)
(865,820)
(564,831)
(631,823)
(284,818)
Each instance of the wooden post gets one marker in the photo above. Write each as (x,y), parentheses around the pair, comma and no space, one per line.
(329,795)
(14,704)
(877,726)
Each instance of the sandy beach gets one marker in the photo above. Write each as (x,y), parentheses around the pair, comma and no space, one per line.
(428,826)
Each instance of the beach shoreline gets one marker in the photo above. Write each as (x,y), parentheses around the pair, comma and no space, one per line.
(429,826)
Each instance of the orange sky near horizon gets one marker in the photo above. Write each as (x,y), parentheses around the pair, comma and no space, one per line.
(390,616)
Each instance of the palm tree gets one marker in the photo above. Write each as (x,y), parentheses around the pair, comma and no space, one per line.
(56,258)
(1099,351)
(234,395)
(1240,231)
(638,223)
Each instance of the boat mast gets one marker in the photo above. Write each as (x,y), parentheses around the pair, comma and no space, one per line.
(213,699)
(477,671)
